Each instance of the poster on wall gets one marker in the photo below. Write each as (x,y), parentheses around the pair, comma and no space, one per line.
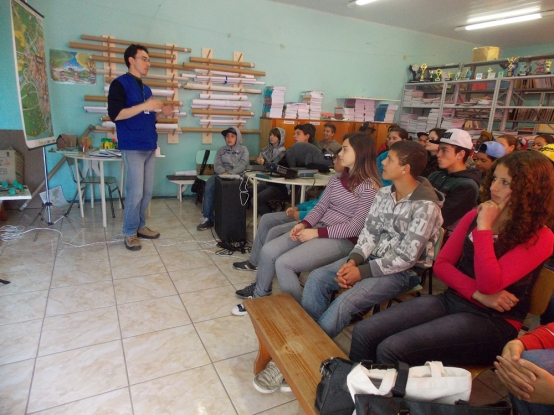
(32,79)
(72,67)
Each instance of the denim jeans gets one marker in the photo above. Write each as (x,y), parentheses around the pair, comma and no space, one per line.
(139,182)
(208,202)
(442,327)
(285,257)
(543,358)
(360,298)
(271,226)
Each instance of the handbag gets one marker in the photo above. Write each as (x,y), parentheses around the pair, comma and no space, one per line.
(431,383)
(381,405)
(332,394)
(195,187)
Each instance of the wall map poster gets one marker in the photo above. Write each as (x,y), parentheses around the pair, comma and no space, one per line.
(32,78)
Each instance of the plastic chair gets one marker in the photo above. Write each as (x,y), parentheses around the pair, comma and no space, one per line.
(109,181)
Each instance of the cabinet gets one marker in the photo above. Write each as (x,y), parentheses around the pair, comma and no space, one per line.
(343,127)
(498,104)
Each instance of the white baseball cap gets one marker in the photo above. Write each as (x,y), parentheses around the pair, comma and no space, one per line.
(456,137)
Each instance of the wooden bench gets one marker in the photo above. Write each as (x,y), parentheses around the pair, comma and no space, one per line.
(289,337)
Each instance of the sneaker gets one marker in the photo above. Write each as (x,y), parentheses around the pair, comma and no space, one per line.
(132,243)
(269,380)
(285,388)
(148,233)
(244,266)
(239,310)
(246,292)
(205,225)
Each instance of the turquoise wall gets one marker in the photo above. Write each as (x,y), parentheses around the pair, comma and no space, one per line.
(299,48)
(526,51)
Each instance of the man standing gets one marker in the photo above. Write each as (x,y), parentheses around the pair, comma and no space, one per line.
(132,108)
(458,184)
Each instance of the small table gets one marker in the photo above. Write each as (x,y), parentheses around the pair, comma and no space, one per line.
(24,194)
(101,160)
(319,180)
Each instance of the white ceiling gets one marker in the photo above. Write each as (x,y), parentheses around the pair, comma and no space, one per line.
(440,17)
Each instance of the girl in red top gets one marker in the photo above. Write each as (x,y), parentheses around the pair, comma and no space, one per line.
(489,264)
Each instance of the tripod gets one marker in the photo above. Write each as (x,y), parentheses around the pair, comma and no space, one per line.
(45,213)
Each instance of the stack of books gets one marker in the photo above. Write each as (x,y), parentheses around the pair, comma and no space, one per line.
(303,111)
(386,112)
(356,109)
(291,110)
(412,98)
(274,99)
(314,99)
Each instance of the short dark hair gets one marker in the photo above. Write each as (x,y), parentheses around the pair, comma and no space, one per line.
(438,131)
(331,127)
(412,153)
(457,149)
(276,132)
(131,52)
(401,132)
(307,129)
(546,137)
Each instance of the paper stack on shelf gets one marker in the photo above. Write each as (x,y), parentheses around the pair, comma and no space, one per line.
(303,111)
(409,121)
(432,119)
(274,99)
(385,112)
(421,124)
(291,110)
(314,99)
(412,97)
(449,122)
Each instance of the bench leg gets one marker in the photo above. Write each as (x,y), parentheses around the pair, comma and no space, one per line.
(262,359)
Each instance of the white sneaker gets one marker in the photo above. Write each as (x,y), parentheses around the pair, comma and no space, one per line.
(239,310)
(268,380)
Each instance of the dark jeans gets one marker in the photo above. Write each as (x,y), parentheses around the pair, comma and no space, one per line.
(267,192)
(443,327)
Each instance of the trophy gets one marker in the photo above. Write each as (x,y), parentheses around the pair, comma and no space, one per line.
(439,73)
(540,67)
(423,68)
(490,73)
(414,70)
(547,66)
(511,66)
(449,76)
(431,77)
(458,75)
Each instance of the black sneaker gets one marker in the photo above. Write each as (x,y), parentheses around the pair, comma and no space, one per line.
(244,266)
(247,292)
(205,225)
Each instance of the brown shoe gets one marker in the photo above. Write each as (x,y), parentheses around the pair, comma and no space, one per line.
(132,243)
(148,233)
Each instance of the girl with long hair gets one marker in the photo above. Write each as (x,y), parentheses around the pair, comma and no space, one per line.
(330,230)
(489,264)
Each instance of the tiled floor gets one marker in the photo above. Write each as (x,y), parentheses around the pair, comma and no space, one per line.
(99,329)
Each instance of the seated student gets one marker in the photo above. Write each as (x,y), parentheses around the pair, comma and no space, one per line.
(275,149)
(489,264)
(542,140)
(273,225)
(526,368)
(422,138)
(271,154)
(331,228)
(232,158)
(395,134)
(510,143)
(366,128)
(385,146)
(458,184)
(328,142)
(432,149)
(484,137)
(305,150)
(487,153)
(402,227)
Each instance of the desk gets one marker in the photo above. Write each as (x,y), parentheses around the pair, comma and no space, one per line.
(101,160)
(320,180)
(25,194)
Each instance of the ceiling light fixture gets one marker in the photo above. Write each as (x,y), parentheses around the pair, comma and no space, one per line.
(504,15)
(499,22)
(359,2)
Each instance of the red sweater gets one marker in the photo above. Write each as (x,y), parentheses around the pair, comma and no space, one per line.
(491,274)
(540,338)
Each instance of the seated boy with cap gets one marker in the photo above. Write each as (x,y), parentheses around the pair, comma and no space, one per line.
(458,184)
(487,153)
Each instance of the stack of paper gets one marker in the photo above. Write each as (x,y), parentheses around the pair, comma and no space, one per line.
(303,111)
(291,110)
(385,112)
(314,99)
(274,99)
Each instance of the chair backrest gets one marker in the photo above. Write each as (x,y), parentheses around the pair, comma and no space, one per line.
(209,170)
(541,292)
(438,244)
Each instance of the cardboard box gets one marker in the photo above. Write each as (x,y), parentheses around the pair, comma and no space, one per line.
(545,128)
(11,166)
(485,53)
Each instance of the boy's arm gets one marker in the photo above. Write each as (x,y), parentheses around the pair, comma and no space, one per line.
(218,164)
(425,223)
(369,236)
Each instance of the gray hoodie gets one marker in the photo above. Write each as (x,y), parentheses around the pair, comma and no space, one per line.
(399,233)
(273,154)
(232,160)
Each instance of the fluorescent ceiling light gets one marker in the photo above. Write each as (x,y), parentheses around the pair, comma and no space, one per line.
(504,15)
(360,2)
(501,22)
